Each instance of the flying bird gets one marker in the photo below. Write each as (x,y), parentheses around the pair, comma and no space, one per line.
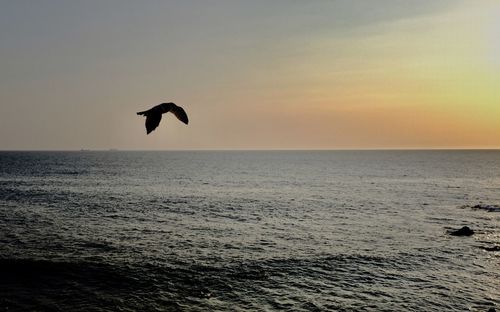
(153,115)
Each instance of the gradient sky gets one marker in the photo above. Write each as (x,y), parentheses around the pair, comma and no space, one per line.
(259,74)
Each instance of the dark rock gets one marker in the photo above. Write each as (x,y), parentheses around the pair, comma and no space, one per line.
(493,248)
(464,231)
(489,208)
(492,310)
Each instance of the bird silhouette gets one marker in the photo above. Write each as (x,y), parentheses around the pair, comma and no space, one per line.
(153,115)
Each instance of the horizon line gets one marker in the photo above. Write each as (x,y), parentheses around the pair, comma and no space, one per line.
(257,149)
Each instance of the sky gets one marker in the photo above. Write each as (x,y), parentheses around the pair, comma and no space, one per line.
(281,74)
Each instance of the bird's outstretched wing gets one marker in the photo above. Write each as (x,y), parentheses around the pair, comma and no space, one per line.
(152,121)
(179,113)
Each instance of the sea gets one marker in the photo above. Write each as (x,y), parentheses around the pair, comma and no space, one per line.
(249,230)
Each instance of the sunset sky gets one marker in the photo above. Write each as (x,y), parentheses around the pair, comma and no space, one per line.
(259,74)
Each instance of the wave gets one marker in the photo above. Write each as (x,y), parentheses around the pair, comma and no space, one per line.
(75,280)
(317,283)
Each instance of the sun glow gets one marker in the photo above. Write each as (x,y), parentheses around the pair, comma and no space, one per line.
(439,84)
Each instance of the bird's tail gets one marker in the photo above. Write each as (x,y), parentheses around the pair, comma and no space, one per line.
(142,113)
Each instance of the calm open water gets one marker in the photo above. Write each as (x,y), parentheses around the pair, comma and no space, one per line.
(273,230)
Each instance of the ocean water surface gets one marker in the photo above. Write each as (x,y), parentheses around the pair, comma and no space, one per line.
(249,230)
